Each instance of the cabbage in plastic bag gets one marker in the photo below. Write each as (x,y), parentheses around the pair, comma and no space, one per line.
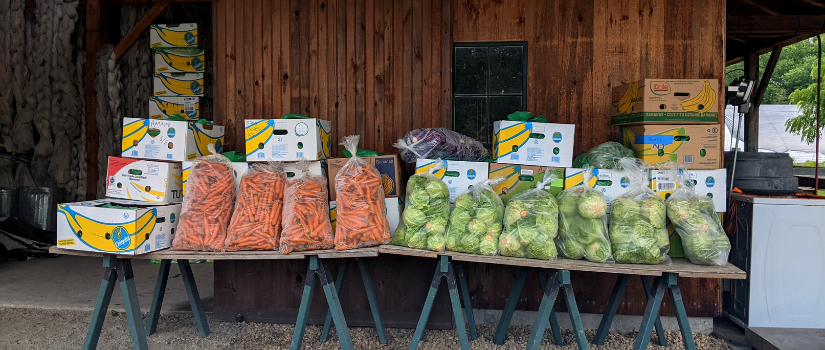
(440,143)
(637,220)
(694,219)
(427,212)
(608,155)
(582,232)
(531,223)
(475,224)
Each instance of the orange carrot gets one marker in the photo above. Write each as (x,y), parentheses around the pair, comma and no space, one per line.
(306,223)
(256,222)
(207,207)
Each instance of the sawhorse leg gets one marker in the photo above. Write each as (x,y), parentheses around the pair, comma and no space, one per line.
(443,270)
(120,270)
(510,307)
(465,298)
(667,281)
(558,279)
(317,269)
(613,305)
(376,313)
(191,290)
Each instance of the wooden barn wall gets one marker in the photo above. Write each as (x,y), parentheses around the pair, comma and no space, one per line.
(375,68)
(315,57)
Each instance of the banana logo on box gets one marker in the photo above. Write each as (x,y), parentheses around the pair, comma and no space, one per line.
(185,84)
(510,139)
(573,179)
(663,144)
(183,59)
(177,36)
(110,237)
(133,133)
(141,193)
(169,108)
(511,176)
(203,140)
(184,175)
(325,136)
(702,102)
(259,134)
(625,104)
(425,168)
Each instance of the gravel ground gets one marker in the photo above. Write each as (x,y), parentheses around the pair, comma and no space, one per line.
(64,329)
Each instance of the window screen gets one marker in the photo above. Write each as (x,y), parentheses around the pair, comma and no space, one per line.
(489,82)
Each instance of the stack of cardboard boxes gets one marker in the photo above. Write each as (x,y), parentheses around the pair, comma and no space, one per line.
(180,71)
(676,120)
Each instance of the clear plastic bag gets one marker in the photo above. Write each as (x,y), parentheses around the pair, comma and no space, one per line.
(256,221)
(440,143)
(531,223)
(475,224)
(695,220)
(207,206)
(426,214)
(306,223)
(582,216)
(637,220)
(361,219)
(608,155)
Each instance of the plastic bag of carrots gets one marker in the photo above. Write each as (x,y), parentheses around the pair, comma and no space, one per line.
(361,221)
(207,206)
(256,222)
(306,223)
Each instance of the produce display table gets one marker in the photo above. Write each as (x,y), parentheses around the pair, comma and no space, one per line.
(119,268)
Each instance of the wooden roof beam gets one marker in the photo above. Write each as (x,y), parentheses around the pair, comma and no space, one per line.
(760,7)
(781,24)
(139,29)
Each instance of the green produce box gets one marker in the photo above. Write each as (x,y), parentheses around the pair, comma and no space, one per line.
(520,178)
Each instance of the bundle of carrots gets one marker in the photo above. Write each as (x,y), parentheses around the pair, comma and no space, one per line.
(361,219)
(256,222)
(306,223)
(207,206)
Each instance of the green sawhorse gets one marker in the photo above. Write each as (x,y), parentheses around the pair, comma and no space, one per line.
(117,270)
(447,269)
(376,314)
(651,319)
(191,291)
(551,281)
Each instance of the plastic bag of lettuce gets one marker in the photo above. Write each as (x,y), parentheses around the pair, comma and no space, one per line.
(531,222)
(425,216)
(694,219)
(637,220)
(475,224)
(582,232)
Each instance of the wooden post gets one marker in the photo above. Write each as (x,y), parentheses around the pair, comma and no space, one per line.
(124,45)
(95,39)
(752,117)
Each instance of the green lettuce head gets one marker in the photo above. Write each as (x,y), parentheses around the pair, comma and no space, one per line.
(546,204)
(418,199)
(436,243)
(548,225)
(488,246)
(486,215)
(621,234)
(477,227)
(654,211)
(465,202)
(437,189)
(416,182)
(542,248)
(452,242)
(568,204)
(399,238)
(624,210)
(662,237)
(468,243)
(414,217)
(586,231)
(598,251)
(593,205)
(494,229)
(460,218)
(437,226)
(526,234)
(570,249)
(417,240)
(510,246)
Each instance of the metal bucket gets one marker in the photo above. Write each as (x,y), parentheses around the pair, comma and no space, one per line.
(38,206)
(9,202)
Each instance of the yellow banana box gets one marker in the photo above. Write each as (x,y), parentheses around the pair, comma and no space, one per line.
(612,183)
(459,176)
(116,226)
(697,147)
(520,178)
(712,183)
(163,107)
(175,35)
(529,143)
(169,140)
(666,101)
(144,180)
(238,168)
(287,140)
(179,84)
(179,60)
(393,208)
(388,166)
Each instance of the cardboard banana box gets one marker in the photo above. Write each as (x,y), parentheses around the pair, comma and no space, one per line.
(162,107)
(179,60)
(287,139)
(175,35)
(144,180)
(179,84)
(169,140)
(666,101)
(530,143)
(696,147)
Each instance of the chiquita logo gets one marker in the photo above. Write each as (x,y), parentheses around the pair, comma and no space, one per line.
(121,238)
(710,181)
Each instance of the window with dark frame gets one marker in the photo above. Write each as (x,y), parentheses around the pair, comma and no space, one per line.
(489,82)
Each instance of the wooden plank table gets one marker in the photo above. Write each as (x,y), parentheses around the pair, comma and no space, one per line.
(118,267)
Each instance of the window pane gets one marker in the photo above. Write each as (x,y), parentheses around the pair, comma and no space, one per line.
(469,112)
(501,106)
(506,70)
(470,70)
